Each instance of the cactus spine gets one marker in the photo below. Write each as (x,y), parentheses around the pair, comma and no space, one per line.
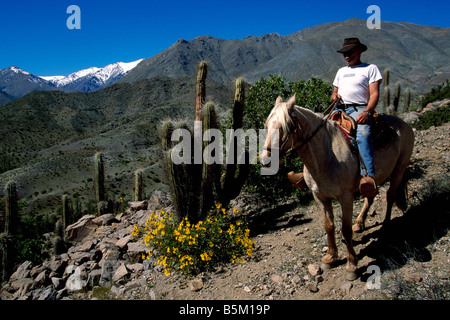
(138,185)
(195,186)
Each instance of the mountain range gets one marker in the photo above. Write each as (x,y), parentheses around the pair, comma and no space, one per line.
(417,56)
(15,82)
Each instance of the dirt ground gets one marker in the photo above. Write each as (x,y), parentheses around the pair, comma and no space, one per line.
(291,240)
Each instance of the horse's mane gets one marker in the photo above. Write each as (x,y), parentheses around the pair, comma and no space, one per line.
(280,112)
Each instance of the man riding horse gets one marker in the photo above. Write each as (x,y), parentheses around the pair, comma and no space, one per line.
(357,86)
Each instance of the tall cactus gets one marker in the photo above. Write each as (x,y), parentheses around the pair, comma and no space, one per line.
(99,182)
(396,99)
(200,89)
(195,187)
(59,244)
(65,219)
(386,93)
(99,177)
(138,185)
(407,99)
(11,224)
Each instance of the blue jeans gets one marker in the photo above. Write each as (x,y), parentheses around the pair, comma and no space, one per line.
(364,139)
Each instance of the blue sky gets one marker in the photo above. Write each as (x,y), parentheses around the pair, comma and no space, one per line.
(35,36)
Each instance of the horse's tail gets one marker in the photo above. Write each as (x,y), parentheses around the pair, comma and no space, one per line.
(401,196)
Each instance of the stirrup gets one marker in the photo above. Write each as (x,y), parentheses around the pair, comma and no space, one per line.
(297,180)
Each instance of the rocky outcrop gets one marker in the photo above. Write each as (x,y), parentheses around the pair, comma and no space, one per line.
(103,254)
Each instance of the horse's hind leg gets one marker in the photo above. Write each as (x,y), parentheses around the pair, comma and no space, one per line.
(332,253)
(397,181)
(347,213)
(358,226)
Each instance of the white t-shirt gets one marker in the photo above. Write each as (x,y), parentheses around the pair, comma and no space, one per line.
(353,82)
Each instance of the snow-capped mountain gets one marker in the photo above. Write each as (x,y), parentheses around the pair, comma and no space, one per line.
(15,82)
(93,78)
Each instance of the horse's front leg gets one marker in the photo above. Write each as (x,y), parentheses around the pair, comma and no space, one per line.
(332,253)
(347,211)
(359,224)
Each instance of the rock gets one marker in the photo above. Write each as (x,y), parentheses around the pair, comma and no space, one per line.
(120,273)
(48,293)
(121,243)
(312,287)
(81,257)
(277,279)
(135,251)
(105,219)
(42,278)
(412,277)
(135,267)
(196,285)
(314,270)
(346,287)
(410,117)
(158,200)
(58,283)
(94,278)
(20,284)
(81,229)
(138,205)
(247,289)
(75,282)
(23,271)
(86,246)
(109,267)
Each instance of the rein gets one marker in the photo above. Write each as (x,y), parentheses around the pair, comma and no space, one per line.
(328,112)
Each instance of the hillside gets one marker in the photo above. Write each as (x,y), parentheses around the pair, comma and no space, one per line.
(105,261)
(51,137)
(417,56)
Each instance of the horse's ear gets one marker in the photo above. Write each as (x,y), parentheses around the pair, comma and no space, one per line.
(279,100)
(290,104)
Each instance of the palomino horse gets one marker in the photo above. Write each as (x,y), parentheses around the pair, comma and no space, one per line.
(332,171)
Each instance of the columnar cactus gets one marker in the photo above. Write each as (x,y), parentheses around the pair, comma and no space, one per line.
(138,185)
(407,99)
(11,222)
(195,187)
(200,89)
(59,245)
(386,94)
(396,99)
(65,219)
(99,177)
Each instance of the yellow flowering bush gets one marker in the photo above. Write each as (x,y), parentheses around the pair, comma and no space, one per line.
(192,248)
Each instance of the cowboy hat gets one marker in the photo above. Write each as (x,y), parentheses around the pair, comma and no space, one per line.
(350,44)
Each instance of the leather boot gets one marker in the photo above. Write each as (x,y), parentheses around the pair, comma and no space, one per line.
(368,187)
(297,180)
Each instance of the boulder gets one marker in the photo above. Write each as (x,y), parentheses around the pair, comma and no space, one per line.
(138,205)
(81,229)
(23,271)
(75,282)
(105,219)
(109,268)
(135,251)
(120,273)
(121,243)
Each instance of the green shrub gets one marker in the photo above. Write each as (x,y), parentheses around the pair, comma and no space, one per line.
(439,92)
(193,248)
(433,118)
(313,94)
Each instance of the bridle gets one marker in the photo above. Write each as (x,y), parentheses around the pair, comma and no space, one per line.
(293,147)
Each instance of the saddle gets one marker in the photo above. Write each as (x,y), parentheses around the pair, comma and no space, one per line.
(382,132)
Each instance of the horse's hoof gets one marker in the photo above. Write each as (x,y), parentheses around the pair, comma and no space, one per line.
(351,276)
(357,228)
(326,266)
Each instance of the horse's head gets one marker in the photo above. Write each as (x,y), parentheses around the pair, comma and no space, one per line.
(280,125)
